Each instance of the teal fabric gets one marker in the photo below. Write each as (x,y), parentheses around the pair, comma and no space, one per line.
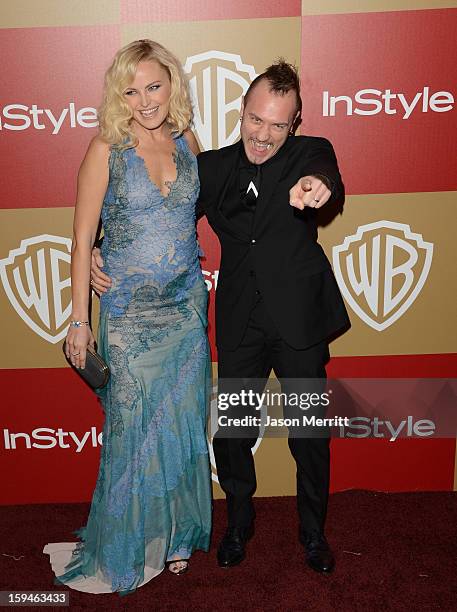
(152,500)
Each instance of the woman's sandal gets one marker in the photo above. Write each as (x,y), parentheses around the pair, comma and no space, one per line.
(177,566)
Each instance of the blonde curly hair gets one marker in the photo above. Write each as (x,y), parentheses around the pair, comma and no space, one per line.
(115,115)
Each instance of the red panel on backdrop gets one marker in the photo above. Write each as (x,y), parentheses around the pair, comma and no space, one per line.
(394,366)
(137,11)
(406,465)
(403,465)
(399,69)
(59,414)
(52,80)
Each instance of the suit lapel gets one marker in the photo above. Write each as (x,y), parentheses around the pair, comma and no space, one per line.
(230,180)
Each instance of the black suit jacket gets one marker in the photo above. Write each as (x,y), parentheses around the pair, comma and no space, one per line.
(279,256)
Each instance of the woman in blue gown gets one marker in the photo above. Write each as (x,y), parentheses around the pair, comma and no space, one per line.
(152,502)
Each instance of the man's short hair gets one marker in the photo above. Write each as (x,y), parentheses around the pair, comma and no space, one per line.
(282,78)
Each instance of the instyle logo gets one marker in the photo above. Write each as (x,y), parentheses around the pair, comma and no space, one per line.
(36,279)
(374,101)
(365,427)
(45,438)
(218,81)
(18,117)
(381,270)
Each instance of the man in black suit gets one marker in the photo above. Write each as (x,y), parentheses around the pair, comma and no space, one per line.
(277,301)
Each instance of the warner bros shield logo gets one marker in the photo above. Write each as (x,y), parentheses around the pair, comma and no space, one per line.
(36,279)
(381,270)
(218,81)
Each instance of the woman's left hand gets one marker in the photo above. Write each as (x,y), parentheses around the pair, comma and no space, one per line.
(78,339)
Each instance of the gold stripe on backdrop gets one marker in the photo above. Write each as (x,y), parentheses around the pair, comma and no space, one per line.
(425,325)
(34,287)
(325,7)
(51,13)
(257,41)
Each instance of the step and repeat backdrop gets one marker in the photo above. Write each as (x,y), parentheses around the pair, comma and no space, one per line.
(378,80)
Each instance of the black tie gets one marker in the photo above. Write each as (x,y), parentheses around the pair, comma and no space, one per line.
(253,188)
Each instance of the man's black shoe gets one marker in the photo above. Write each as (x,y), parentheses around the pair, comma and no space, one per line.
(318,554)
(231,550)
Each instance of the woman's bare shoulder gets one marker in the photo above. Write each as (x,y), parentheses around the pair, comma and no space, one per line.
(98,151)
(99,146)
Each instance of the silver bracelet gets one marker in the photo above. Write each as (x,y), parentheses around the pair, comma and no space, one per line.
(78,323)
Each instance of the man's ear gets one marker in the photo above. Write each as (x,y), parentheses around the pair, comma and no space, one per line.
(242,108)
(295,123)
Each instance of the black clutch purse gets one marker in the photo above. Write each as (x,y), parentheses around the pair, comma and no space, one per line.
(96,373)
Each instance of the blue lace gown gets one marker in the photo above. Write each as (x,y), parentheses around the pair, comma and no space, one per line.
(152,500)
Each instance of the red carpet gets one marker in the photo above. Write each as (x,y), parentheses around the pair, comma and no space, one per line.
(394,552)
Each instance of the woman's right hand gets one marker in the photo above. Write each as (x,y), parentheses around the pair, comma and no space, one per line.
(76,343)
